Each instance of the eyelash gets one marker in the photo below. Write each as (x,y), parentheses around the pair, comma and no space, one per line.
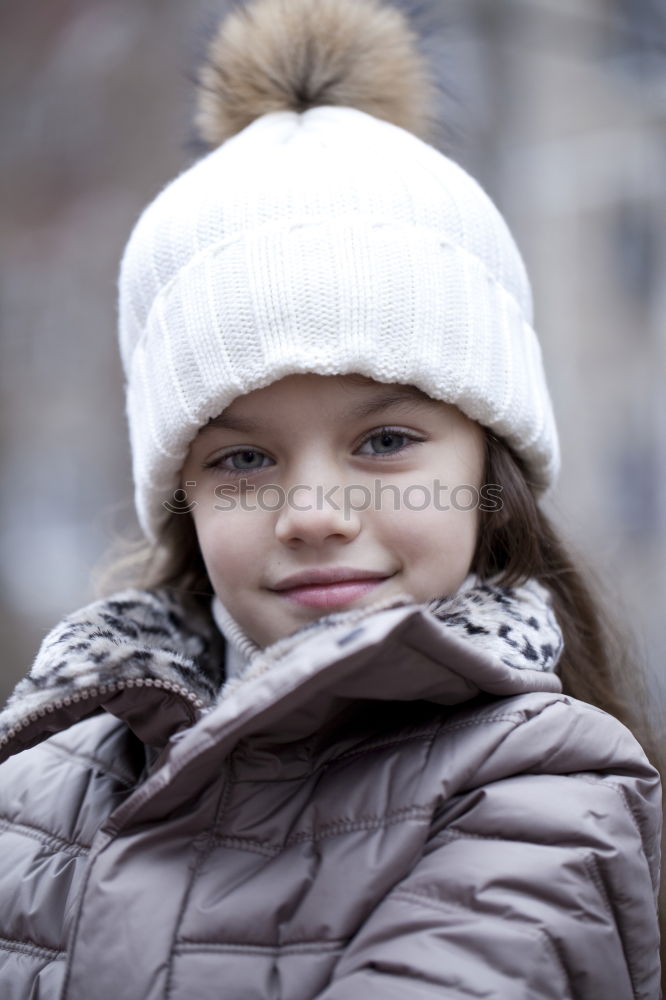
(216,463)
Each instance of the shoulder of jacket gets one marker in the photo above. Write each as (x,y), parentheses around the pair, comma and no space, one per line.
(542,732)
(99,743)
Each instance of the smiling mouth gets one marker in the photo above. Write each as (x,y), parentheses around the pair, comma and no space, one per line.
(329,587)
(331,595)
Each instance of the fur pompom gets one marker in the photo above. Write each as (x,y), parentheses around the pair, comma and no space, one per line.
(277,55)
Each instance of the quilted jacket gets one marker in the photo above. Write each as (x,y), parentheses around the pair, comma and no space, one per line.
(395,803)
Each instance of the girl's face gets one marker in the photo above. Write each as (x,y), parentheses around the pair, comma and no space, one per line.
(340,476)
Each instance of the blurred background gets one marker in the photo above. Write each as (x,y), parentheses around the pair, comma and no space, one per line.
(558,107)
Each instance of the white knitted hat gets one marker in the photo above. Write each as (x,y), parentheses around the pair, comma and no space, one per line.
(327,240)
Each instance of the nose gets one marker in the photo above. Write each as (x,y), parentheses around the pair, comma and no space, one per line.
(316,512)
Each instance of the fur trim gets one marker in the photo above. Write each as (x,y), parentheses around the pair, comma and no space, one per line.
(516,624)
(281,55)
(137,641)
(144,657)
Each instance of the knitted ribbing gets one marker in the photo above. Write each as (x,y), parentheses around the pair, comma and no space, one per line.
(239,647)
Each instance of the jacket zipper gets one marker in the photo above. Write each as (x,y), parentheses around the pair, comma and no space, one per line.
(85,694)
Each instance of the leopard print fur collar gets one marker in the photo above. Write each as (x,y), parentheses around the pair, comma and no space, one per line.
(152,640)
(515,623)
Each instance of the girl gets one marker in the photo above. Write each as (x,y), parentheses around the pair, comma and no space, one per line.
(340,739)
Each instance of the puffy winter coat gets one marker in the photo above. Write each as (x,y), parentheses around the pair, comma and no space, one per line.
(396,803)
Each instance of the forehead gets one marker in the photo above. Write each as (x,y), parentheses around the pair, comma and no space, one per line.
(362,396)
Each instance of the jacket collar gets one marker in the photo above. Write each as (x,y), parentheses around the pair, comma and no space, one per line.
(146,658)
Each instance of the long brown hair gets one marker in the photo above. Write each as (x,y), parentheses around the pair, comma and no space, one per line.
(599,664)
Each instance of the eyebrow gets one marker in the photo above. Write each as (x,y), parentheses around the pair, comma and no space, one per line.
(390,397)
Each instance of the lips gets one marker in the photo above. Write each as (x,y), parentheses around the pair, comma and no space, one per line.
(327,576)
(329,588)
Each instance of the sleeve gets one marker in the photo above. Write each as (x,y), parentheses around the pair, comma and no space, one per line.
(533,885)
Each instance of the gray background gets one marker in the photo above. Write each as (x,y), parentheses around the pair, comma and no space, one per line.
(557,106)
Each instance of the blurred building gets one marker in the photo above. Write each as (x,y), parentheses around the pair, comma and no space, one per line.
(584,182)
(557,106)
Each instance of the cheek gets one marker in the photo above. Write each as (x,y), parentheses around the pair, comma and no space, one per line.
(445,522)
(436,548)
(209,545)
(231,543)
